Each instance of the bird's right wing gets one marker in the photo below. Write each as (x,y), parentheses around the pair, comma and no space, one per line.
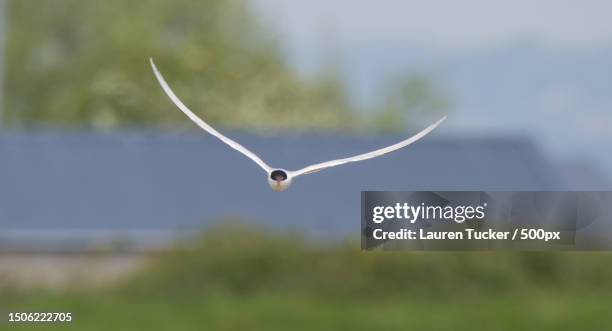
(365,156)
(203,124)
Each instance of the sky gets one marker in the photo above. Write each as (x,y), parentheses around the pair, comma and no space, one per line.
(540,68)
(441,24)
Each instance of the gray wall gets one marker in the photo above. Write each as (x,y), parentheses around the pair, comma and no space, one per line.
(153,181)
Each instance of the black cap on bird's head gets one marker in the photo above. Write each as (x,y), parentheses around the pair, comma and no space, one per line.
(278,175)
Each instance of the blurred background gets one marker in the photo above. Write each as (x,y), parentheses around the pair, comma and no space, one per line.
(116,207)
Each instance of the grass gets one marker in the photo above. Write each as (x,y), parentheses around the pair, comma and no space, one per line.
(537,311)
(261,281)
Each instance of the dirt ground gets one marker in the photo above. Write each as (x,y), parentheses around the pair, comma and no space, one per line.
(57,271)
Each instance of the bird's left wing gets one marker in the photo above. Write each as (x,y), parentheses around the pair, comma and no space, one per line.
(365,156)
(203,124)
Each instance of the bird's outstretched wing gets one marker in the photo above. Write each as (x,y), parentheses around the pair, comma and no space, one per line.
(203,124)
(366,156)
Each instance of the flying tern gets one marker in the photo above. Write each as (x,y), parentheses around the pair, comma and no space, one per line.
(278,178)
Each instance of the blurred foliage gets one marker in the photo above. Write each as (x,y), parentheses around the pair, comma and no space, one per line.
(409,95)
(85,64)
(238,278)
(244,259)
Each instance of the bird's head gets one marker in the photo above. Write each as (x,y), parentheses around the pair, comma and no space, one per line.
(279,180)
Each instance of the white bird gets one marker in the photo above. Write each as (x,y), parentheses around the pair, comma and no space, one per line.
(278,178)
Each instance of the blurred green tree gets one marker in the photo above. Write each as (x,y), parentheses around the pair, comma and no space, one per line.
(76,63)
(406,96)
(72,63)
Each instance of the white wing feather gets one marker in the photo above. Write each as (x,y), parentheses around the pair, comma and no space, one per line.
(365,156)
(203,124)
